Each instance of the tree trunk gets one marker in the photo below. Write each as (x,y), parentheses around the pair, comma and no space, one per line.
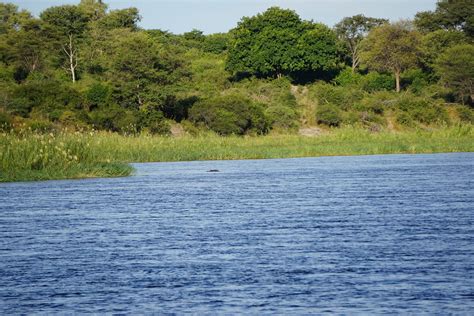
(355,59)
(71,52)
(397,78)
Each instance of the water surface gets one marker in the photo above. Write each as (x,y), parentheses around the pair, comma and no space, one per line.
(370,234)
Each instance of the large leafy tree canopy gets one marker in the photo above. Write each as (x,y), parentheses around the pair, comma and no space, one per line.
(456,69)
(95,9)
(277,42)
(11,19)
(66,19)
(393,48)
(449,14)
(436,43)
(352,30)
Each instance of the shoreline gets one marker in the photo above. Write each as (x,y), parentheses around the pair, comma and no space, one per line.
(132,169)
(105,155)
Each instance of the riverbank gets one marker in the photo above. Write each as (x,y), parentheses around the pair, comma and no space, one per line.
(66,155)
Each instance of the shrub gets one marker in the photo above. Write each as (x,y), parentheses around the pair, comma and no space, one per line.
(116,119)
(371,119)
(98,95)
(377,102)
(416,79)
(216,43)
(421,110)
(177,109)
(230,114)
(375,81)
(405,119)
(282,117)
(126,122)
(5,121)
(286,99)
(342,97)
(20,106)
(46,96)
(190,128)
(328,114)
(466,114)
(348,78)
(71,118)
(154,122)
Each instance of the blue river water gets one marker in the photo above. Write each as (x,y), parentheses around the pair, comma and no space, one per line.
(343,235)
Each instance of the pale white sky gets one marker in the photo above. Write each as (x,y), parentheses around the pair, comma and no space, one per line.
(213,16)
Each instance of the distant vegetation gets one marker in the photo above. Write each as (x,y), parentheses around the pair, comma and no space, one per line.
(86,68)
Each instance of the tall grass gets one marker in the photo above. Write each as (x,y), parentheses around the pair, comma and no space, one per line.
(28,156)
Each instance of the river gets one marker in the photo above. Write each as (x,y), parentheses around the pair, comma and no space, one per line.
(368,234)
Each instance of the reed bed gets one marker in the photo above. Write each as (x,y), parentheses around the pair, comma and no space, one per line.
(65,155)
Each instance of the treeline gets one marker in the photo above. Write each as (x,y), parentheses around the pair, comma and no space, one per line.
(84,66)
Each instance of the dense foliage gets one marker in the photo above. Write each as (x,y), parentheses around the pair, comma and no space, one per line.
(277,42)
(87,67)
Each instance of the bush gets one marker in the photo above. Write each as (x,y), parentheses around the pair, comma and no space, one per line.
(216,43)
(75,119)
(20,106)
(282,117)
(98,95)
(416,109)
(375,81)
(5,121)
(371,119)
(191,129)
(342,97)
(115,119)
(268,92)
(46,96)
(405,119)
(154,122)
(377,102)
(230,114)
(328,114)
(466,114)
(348,78)
(286,99)
(416,79)
(177,109)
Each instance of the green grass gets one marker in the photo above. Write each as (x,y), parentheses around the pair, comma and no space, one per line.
(28,156)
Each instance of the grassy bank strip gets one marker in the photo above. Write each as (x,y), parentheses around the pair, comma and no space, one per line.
(83,155)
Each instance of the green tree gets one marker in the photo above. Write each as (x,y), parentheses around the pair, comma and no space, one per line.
(125,18)
(216,43)
(318,49)
(95,9)
(449,14)
(11,19)
(456,69)
(436,43)
(392,48)
(30,45)
(277,42)
(69,23)
(352,30)
(194,35)
(139,67)
(232,114)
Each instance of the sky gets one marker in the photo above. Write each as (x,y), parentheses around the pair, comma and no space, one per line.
(213,16)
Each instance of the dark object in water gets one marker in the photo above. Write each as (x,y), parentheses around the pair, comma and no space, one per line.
(213,170)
